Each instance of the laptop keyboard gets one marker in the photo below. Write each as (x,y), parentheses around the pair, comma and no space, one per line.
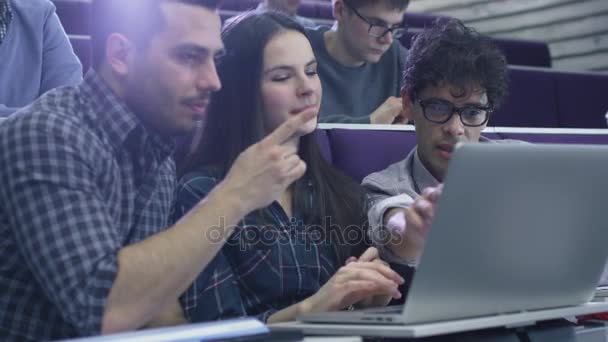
(393,309)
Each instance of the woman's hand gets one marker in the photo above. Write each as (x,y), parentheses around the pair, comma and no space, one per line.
(355,282)
(372,255)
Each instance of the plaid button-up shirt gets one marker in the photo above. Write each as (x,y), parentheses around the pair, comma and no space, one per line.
(6,14)
(269,263)
(80,178)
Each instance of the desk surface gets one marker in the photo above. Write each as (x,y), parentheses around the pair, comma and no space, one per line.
(511,320)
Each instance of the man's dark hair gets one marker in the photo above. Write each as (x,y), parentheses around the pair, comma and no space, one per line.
(451,52)
(399,5)
(139,20)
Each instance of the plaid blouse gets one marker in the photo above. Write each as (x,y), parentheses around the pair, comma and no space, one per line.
(81,178)
(6,15)
(269,263)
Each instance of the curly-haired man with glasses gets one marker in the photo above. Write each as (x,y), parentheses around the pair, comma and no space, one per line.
(454,78)
(360,60)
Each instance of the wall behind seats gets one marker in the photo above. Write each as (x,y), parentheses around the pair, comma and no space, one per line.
(576,31)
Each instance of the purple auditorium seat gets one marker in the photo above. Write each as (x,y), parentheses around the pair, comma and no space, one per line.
(308,10)
(323,140)
(421,20)
(325,11)
(316,10)
(517,52)
(82,49)
(239,5)
(313,10)
(582,99)
(525,52)
(408,37)
(75,15)
(559,138)
(361,152)
(531,101)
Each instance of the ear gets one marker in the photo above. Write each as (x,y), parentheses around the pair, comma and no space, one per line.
(338,9)
(408,105)
(119,53)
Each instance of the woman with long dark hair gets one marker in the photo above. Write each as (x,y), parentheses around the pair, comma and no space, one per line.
(290,257)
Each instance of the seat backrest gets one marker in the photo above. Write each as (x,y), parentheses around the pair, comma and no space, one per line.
(75,16)
(239,5)
(582,99)
(407,38)
(319,12)
(531,101)
(517,52)
(361,152)
(421,20)
(82,49)
(316,10)
(559,138)
(524,52)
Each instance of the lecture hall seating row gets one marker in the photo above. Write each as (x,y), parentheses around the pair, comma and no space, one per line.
(538,96)
(359,151)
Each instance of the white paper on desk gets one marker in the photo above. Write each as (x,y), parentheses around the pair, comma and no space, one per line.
(189,332)
(333,339)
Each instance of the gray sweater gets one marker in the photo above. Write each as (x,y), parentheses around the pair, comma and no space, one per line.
(35,56)
(351,94)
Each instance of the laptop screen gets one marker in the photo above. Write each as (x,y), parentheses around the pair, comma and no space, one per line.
(604,278)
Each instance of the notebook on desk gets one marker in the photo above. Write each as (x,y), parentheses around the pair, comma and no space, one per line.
(519,235)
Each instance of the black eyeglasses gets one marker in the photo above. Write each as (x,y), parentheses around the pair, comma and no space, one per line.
(378,31)
(441,111)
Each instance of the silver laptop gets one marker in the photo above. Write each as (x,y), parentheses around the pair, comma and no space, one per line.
(601,293)
(519,234)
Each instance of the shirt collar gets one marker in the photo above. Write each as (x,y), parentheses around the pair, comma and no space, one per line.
(421,175)
(116,119)
(261,6)
(5,7)
(6,15)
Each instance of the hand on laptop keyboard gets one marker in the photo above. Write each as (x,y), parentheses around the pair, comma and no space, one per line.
(371,255)
(361,280)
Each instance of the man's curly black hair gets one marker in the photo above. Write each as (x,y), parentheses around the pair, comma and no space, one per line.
(451,52)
